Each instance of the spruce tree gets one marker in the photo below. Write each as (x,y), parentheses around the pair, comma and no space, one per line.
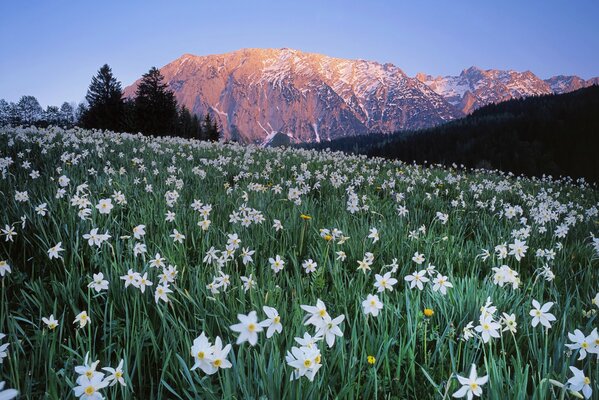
(155,105)
(105,102)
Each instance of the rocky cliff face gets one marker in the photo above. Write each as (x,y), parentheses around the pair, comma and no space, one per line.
(255,93)
(475,87)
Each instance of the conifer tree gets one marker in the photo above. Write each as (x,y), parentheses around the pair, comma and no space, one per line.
(105,102)
(155,105)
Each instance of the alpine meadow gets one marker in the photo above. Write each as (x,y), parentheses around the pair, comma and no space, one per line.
(142,267)
(315,200)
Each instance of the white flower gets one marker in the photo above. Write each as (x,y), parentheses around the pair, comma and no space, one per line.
(131,278)
(246,255)
(541,314)
(116,374)
(88,389)
(143,282)
(277,225)
(580,382)
(99,283)
(518,249)
(82,319)
(372,305)
(276,263)
(161,293)
(509,321)
(202,352)
(416,279)
(273,322)
(4,267)
(418,258)
(139,231)
(441,284)
(384,282)
(582,342)
(309,266)
(330,328)
(53,251)
(374,235)
(316,314)
(104,206)
(50,322)
(177,237)
(305,360)
(157,261)
(487,328)
(248,328)
(471,386)
(7,394)
(248,283)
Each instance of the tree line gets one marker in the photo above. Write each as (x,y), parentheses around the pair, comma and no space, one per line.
(153,110)
(550,134)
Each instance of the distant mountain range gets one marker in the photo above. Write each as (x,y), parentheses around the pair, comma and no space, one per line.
(256,93)
(475,87)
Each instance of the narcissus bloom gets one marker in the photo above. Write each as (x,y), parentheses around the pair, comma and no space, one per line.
(471,386)
(580,382)
(273,322)
(372,305)
(541,314)
(384,282)
(248,328)
(50,322)
(82,318)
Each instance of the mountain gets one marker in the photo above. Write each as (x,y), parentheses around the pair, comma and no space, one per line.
(257,93)
(551,134)
(475,87)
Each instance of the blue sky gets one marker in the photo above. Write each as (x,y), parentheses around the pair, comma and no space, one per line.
(51,49)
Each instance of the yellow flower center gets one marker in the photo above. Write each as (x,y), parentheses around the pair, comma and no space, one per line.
(90,390)
(473,386)
(89,374)
(587,381)
(322,313)
(252,327)
(307,363)
(373,302)
(118,374)
(486,327)
(201,355)
(217,362)
(538,313)
(371,360)
(584,345)
(277,319)
(317,359)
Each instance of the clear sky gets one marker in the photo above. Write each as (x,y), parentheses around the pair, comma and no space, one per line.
(51,49)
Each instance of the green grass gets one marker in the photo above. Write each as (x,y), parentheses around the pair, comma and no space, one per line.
(416,357)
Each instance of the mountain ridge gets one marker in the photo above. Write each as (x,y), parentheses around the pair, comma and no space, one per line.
(256,93)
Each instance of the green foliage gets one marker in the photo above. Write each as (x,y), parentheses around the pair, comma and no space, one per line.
(416,357)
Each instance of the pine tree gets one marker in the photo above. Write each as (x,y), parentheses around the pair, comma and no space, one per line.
(155,105)
(105,102)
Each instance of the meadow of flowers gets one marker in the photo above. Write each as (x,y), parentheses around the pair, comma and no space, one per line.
(137,267)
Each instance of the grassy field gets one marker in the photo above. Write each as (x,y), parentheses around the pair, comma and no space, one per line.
(213,217)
